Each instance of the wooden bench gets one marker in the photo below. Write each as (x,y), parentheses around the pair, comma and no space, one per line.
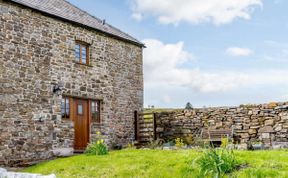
(216,134)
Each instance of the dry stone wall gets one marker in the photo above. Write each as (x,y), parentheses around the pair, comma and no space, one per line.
(266,123)
(37,52)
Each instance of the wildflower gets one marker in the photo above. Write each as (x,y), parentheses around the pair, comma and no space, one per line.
(98,133)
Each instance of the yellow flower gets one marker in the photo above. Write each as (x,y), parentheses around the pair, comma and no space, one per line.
(98,142)
(98,133)
(102,141)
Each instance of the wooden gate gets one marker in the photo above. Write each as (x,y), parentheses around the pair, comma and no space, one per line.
(145,127)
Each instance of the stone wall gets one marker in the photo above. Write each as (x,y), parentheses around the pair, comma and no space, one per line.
(251,123)
(37,52)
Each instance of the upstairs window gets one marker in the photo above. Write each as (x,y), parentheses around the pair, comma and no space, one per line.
(65,108)
(95,110)
(82,53)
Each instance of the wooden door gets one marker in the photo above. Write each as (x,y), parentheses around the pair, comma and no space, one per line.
(81,124)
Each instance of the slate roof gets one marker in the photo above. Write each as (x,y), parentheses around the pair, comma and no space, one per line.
(66,11)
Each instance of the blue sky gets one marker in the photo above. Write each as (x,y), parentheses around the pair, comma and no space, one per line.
(208,52)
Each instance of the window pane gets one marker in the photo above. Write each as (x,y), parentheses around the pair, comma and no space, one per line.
(95,111)
(67,111)
(84,55)
(84,61)
(93,106)
(94,117)
(63,107)
(96,107)
(80,109)
(77,52)
(63,103)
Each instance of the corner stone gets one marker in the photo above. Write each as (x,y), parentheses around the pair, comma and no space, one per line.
(63,152)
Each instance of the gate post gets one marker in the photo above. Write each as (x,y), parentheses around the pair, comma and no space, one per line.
(154,126)
(136,125)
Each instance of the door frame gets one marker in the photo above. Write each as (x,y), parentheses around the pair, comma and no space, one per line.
(83,135)
(73,102)
(72,113)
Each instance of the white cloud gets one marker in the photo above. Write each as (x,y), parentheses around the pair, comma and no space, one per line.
(167,79)
(137,16)
(162,65)
(238,52)
(194,11)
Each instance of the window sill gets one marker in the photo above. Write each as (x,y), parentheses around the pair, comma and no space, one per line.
(78,63)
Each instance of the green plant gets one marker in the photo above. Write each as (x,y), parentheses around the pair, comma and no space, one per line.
(179,143)
(217,162)
(155,143)
(189,139)
(130,146)
(98,147)
(198,141)
(188,106)
(224,142)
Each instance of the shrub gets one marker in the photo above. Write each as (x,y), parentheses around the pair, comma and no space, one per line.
(189,140)
(188,106)
(224,142)
(179,143)
(198,141)
(98,147)
(216,163)
(130,146)
(153,144)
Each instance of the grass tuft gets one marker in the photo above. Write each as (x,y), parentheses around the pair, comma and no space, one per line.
(217,162)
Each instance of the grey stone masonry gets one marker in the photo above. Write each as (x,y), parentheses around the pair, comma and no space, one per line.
(38,52)
(265,123)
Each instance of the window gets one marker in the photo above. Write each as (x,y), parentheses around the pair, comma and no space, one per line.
(65,108)
(95,110)
(80,109)
(82,53)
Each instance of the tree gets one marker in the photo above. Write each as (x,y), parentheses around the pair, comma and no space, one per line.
(188,106)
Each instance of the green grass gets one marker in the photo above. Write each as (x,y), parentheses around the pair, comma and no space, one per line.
(160,163)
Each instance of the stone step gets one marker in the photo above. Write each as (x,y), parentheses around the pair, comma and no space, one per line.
(5,174)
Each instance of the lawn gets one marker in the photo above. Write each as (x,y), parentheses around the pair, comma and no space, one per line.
(160,163)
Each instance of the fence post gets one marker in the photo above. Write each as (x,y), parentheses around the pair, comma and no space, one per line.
(136,125)
(155,126)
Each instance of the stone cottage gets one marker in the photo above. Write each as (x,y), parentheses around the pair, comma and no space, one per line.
(64,75)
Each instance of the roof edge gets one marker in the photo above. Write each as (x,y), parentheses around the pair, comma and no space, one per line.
(79,24)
